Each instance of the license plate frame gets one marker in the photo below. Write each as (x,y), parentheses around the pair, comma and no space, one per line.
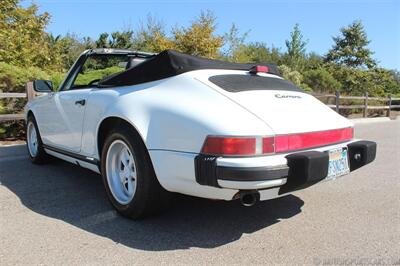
(338,163)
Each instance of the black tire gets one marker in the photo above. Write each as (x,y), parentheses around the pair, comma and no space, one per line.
(40,157)
(149,197)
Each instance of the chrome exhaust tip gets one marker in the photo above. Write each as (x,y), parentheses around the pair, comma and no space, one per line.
(248,199)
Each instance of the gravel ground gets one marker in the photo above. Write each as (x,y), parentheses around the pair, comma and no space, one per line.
(58,214)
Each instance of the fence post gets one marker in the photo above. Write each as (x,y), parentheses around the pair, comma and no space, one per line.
(337,94)
(389,104)
(30,92)
(365,104)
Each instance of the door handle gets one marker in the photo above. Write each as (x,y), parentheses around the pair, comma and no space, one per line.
(81,102)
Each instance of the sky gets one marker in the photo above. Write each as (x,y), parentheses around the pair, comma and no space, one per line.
(266,21)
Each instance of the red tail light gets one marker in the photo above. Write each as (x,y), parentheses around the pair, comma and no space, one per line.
(229,146)
(247,146)
(244,146)
(284,143)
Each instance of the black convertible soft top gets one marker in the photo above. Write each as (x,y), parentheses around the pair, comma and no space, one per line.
(171,63)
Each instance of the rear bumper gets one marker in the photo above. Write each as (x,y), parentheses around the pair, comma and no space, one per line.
(211,172)
(288,172)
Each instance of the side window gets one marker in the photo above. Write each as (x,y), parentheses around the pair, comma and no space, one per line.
(96,68)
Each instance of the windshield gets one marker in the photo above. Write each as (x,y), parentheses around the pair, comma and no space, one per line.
(97,67)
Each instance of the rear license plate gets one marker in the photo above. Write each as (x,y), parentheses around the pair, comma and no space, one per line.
(338,163)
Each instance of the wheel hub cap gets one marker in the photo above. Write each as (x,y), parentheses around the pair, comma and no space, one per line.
(121,171)
(32,139)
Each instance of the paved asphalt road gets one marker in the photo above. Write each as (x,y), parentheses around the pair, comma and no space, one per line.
(58,214)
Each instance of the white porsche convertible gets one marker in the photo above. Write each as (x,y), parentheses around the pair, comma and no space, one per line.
(152,124)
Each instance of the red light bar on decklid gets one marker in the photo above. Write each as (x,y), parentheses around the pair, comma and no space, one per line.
(259,69)
(300,141)
(248,146)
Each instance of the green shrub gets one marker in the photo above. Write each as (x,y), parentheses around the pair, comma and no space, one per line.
(13,79)
(57,78)
(321,81)
(90,75)
(294,76)
(12,130)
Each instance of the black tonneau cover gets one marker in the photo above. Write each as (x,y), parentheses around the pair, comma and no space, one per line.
(171,63)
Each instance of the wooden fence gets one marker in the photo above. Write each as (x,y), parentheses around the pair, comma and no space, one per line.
(365,106)
(337,106)
(11,117)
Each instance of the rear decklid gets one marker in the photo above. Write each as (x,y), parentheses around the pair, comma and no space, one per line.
(279,103)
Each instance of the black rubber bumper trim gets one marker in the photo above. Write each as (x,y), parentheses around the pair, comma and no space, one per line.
(305,169)
(308,168)
(361,153)
(251,173)
(207,172)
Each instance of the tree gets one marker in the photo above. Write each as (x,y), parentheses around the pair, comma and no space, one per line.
(313,61)
(320,80)
(296,48)
(383,80)
(396,75)
(350,48)
(102,41)
(88,43)
(234,40)
(117,39)
(22,37)
(294,76)
(199,39)
(355,81)
(64,50)
(256,53)
(152,37)
(121,39)
(71,47)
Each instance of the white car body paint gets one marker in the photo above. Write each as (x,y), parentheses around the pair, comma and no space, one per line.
(175,115)
(181,174)
(60,119)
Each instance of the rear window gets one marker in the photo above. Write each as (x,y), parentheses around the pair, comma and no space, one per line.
(238,83)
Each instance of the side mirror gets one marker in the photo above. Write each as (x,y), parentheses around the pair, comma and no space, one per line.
(43,85)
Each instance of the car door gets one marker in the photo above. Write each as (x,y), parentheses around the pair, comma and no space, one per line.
(62,117)
(62,114)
